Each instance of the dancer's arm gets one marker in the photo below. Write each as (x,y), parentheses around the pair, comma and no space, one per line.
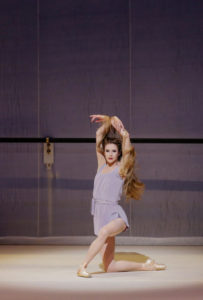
(127,147)
(100,133)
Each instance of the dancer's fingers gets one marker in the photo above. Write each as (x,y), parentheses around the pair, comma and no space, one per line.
(96,119)
(93,117)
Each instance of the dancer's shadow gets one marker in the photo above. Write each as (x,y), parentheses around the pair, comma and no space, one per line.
(128,256)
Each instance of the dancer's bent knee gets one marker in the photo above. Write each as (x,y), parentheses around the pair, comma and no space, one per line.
(111,267)
(103,233)
(111,230)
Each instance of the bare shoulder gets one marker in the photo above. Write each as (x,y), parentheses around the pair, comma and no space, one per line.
(119,163)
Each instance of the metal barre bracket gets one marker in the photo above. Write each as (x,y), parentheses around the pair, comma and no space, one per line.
(48,154)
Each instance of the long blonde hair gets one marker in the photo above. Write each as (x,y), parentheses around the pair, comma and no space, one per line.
(133,188)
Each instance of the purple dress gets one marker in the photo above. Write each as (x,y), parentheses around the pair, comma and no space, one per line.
(106,194)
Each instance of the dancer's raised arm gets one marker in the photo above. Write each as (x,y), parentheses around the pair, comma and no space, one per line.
(133,187)
(100,133)
(127,148)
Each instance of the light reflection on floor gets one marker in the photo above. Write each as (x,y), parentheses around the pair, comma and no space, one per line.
(49,272)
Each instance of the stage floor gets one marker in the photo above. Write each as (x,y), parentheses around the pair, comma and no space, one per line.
(49,272)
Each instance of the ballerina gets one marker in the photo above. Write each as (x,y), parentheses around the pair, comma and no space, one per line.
(115,176)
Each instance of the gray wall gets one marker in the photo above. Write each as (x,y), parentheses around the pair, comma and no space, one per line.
(64,60)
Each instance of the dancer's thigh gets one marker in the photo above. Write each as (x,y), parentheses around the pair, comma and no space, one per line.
(113,228)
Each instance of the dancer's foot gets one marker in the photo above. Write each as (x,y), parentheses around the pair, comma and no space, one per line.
(151,265)
(83,273)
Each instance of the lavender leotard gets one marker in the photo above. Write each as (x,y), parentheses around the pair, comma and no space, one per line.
(106,194)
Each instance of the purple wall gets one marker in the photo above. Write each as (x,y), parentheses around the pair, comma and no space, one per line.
(64,60)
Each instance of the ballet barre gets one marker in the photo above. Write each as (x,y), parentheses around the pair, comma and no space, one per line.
(93,140)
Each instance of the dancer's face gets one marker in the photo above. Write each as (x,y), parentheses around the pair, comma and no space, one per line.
(111,153)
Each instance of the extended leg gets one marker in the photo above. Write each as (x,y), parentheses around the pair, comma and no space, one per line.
(110,265)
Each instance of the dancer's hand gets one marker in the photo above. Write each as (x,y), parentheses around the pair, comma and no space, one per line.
(118,125)
(98,118)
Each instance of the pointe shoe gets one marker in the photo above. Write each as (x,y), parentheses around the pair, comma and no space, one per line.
(160,267)
(153,266)
(83,273)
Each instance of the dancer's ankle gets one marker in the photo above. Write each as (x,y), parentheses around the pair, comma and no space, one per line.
(148,264)
(84,265)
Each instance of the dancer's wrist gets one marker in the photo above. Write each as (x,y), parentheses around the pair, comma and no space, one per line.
(124,133)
